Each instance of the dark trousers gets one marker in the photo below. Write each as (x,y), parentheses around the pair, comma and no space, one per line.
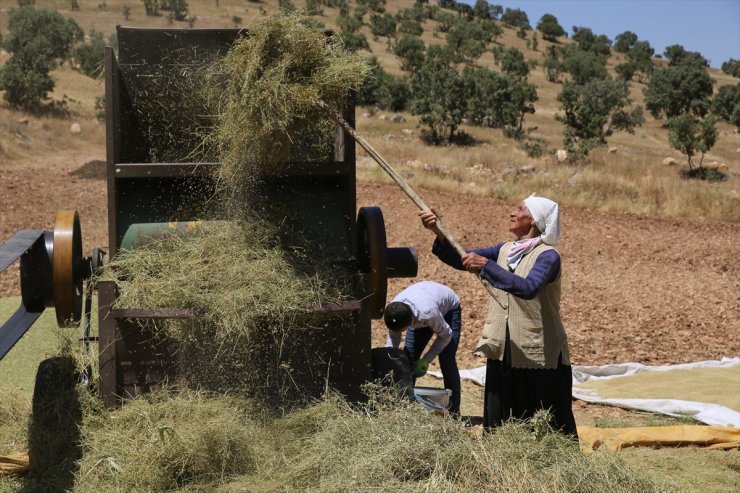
(416,341)
(517,393)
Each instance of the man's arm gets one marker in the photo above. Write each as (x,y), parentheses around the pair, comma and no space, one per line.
(443,336)
(394,339)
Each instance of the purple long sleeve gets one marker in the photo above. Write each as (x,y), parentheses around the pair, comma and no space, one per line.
(546,269)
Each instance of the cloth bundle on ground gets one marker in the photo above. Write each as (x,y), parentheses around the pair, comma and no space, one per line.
(14,464)
(714,437)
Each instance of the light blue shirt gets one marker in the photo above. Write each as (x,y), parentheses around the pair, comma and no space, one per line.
(429,303)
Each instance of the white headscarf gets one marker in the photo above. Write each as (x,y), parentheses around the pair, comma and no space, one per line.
(547,218)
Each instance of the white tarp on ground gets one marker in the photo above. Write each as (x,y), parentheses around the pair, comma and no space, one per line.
(711,414)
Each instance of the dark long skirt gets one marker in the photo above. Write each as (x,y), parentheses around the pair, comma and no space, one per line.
(519,392)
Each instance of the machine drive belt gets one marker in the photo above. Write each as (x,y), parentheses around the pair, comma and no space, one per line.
(17,325)
(14,328)
(16,246)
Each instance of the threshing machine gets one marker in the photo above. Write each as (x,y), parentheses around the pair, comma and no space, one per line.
(147,196)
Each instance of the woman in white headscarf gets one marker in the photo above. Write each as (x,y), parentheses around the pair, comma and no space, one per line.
(523,337)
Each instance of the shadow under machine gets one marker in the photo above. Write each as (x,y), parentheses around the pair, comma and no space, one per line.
(155,186)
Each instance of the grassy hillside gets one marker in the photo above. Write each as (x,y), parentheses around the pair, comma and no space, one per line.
(629,178)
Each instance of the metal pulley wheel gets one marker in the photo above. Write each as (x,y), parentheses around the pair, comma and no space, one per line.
(67,269)
(373,257)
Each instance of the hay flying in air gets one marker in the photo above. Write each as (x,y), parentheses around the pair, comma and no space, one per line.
(254,330)
(229,273)
(276,75)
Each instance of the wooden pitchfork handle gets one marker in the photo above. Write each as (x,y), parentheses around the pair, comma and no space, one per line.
(337,117)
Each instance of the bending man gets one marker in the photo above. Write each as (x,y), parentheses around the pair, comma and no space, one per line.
(427,308)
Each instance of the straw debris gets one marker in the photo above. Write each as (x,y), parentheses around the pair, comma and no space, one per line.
(168,442)
(275,76)
(192,442)
(391,445)
(192,92)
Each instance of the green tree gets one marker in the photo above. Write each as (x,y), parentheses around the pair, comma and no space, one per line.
(588,41)
(533,42)
(726,104)
(625,41)
(343,6)
(445,21)
(639,61)
(626,71)
(89,56)
(415,13)
(515,18)
(731,67)
(411,26)
(550,28)
(178,8)
(383,90)
(465,11)
(466,40)
(496,11)
(437,91)
(691,135)
(678,89)
(678,55)
(313,7)
(39,40)
(497,101)
(481,10)
(584,66)
(641,57)
(552,64)
(513,63)
(383,25)
(360,11)
(410,49)
(151,7)
(440,54)
(354,41)
(348,24)
(370,92)
(593,111)
(286,6)
(395,94)
(373,5)
(491,30)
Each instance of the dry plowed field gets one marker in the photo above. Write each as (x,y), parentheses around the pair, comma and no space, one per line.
(643,289)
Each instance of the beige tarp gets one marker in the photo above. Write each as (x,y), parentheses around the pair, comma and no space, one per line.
(706,391)
(710,385)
